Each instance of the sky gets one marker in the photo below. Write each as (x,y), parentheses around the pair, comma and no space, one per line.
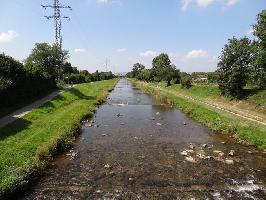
(124,32)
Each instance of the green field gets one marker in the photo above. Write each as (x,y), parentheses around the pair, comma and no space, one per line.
(217,121)
(29,141)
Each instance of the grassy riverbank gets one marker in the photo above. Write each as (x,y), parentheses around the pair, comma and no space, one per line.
(217,121)
(27,143)
(254,101)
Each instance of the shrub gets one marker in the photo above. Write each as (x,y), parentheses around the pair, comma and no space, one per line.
(186,82)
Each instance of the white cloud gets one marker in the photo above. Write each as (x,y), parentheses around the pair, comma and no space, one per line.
(149,53)
(119,2)
(184,4)
(9,36)
(204,3)
(79,50)
(103,1)
(231,2)
(196,54)
(121,50)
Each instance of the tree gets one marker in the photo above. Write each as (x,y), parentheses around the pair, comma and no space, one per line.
(213,77)
(176,75)
(186,82)
(160,65)
(47,59)
(233,66)
(137,68)
(258,70)
(12,71)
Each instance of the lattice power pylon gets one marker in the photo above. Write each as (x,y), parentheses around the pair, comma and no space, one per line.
(57,16)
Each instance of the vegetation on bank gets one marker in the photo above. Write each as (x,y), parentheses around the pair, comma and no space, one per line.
(29,141)
(45,68)
(242,63)
(254,100)
(217,122)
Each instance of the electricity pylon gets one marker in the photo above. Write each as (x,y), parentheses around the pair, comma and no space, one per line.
(57,16)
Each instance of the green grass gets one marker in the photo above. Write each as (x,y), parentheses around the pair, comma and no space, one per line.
(253,99)
(218,122)
(29,141)
(5,110)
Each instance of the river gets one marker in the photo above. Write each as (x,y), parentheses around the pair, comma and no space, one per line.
(131,149)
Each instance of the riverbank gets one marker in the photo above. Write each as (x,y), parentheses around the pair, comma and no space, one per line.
(28,143)
(221,122)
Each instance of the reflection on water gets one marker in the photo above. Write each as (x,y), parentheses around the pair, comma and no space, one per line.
(131,150)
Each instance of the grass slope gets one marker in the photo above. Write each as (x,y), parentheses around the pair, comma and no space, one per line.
(28,142)
(218,122)
(254,100)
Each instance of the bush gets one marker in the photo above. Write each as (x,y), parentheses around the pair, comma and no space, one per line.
(18,85)
(186,82)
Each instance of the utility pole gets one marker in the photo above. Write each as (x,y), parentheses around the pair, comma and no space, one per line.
(57,16)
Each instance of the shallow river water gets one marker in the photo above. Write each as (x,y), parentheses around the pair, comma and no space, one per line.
(131,150)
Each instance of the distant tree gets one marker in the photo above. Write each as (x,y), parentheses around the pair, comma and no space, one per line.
(47,59)
(186,82)
(213,77)
(137,68)
(85,72)
(144,75)
(258,69)
(176,75)
(233,66)
(160,65)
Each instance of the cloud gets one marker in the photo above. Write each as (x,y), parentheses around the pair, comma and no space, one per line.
(119,2)
(204,3)
(184,4)
(103,1)
(121,50)
(79,50)
(231,2)
(196,54)
(149,53)
(9,36)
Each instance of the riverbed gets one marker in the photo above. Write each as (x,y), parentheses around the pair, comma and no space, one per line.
(137,148)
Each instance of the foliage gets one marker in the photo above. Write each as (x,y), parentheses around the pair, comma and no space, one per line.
(48,59)
(213,77)
(137,68)
(85,77)
(25,143)
(233,66)
(258,70)
(186,82)
(18,83)
(162,70)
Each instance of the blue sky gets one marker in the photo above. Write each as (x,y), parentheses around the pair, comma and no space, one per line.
(192,32)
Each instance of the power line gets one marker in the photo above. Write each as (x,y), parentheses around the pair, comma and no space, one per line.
(57,16)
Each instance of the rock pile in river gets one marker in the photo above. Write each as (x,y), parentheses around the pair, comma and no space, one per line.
(196,154)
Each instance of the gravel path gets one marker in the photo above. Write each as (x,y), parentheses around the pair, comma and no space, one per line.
(27,109)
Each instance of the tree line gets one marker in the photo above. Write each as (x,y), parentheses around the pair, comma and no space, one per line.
(42,71)
(162,70)
(242,62)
